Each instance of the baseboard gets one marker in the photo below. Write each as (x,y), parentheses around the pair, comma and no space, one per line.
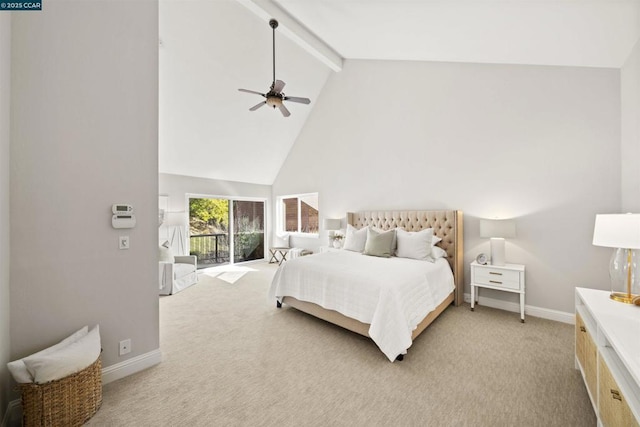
(545,313)
(131,366)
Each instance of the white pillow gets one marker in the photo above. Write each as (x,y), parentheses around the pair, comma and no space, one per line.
(165,253)
(65,361)
(18,368)
(438,252)
(414,245)
(355,239)
(281,240)
(19,372)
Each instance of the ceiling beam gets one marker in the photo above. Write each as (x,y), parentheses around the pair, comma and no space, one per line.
(289,27)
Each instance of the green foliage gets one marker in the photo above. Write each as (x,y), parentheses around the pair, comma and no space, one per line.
(209,214)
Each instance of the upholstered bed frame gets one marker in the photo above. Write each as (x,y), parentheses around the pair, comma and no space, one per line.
(447,224)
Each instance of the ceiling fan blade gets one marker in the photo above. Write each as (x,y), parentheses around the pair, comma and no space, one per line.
(278,86)
(252,91)
(255,107)
(297,99)
(284,110)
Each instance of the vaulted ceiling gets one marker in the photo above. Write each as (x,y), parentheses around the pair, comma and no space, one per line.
(210,48)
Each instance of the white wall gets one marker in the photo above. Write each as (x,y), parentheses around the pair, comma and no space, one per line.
(5,82)
(630,98)
(178,186)
(84,135)
(540,144)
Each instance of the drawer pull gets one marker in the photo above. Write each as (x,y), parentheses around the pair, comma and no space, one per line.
(493,281)
(497,274)
(583,329)
(616,395)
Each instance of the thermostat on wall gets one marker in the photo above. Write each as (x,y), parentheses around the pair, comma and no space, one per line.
(118,209)
(123,216)
(123,221)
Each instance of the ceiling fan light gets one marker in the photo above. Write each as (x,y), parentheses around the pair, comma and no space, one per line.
(274,101)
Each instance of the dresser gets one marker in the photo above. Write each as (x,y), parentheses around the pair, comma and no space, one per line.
(608,356)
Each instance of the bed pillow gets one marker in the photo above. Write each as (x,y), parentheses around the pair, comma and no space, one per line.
(394,244)
(281,240)
(437,252)
(414,245)
(379,243)
(355,239)
(65,361)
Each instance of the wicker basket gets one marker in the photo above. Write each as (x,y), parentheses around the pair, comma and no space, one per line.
(69,401)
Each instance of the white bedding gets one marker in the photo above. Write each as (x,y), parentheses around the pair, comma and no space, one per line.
(393,295)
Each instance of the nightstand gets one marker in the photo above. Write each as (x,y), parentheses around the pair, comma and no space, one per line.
(509,278)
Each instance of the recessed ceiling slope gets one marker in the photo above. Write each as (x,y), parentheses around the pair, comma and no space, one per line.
(594,33)
(209,49)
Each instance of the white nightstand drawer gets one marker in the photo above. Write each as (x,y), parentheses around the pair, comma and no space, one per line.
(509,279)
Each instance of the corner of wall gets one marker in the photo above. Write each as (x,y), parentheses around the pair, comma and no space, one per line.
(5,87)
(630,130)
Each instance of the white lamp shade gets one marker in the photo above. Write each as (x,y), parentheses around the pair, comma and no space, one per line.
(332,224)
(174,219)
(617,231)
(497,228)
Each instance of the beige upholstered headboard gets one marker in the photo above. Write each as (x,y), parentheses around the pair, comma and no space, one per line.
(446,224)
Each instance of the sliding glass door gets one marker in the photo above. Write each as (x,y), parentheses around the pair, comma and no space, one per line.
(223,231)
(248,230)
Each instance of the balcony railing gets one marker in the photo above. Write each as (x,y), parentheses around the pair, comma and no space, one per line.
(213,249)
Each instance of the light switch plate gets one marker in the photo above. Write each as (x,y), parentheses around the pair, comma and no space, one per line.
(124,242)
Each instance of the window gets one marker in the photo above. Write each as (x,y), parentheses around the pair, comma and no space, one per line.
(298,213)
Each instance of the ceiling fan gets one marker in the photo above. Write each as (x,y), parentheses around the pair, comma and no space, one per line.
(275,97)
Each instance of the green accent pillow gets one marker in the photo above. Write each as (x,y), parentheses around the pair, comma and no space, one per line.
(379,243)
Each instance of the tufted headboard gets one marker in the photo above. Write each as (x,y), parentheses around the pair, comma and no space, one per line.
(446,224)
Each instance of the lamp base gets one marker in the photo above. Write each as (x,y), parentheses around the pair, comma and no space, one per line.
(497,251)
(625,298)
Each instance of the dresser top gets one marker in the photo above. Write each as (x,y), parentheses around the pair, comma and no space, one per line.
(619,322)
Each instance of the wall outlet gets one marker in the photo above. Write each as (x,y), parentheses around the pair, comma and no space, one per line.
(124,242)
(125,347)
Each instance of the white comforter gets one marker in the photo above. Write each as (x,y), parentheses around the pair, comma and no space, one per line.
(393,295)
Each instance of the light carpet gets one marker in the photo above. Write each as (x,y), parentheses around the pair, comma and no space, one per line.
(230,358)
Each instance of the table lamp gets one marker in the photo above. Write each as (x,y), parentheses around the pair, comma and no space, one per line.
(622,232)
(497,230)
(331,225)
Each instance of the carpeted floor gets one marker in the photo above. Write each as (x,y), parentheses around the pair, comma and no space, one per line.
(230,358)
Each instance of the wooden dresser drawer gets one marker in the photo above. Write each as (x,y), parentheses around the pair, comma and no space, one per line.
(614,409)
(498,277)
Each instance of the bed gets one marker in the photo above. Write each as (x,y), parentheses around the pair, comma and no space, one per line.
(303,283)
